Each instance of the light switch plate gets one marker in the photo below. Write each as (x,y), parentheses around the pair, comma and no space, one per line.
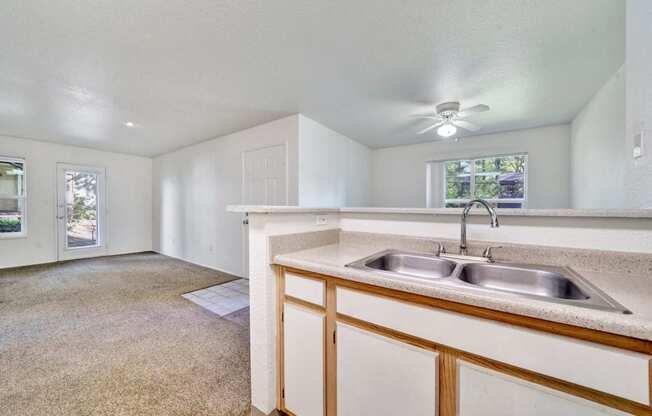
(639,143)
(321,219)
(637,151)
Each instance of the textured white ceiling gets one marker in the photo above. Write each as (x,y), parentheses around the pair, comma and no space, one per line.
(185,71)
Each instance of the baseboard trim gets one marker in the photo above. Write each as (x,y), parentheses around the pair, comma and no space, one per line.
(217,269)
(52,262)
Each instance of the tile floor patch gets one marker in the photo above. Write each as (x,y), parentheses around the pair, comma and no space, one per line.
(222,299)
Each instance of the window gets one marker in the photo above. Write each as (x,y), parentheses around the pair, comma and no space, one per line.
(500,180)
(81,209)
(12,197)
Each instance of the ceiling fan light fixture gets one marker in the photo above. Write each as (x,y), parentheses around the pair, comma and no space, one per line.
(448,118)
(446,130)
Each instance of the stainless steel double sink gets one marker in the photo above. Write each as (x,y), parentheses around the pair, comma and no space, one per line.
(552,284)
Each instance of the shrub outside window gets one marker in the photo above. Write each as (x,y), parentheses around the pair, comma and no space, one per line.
(12,197)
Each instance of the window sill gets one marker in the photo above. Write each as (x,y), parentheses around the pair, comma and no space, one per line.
(12,236)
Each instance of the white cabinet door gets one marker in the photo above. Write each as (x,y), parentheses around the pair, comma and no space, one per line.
(607,369)
(303,359)
(380,376)
(483,392)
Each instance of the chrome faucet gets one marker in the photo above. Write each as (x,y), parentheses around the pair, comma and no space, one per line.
(465,213)
(439,249)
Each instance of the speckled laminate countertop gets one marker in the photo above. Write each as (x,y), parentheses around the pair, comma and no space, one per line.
(633,291)
(561,212)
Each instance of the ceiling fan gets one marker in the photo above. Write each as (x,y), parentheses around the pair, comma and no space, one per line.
(448,117)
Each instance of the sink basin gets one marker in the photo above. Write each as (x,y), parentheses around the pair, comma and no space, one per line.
(521,280)
(553,284)
(409,264)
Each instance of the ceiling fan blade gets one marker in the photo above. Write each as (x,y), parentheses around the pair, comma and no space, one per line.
(427,129)
(475,109)
(428,116)
(465,125)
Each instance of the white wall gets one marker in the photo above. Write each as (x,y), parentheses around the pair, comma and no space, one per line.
(398,174)
(638,69)
(632,235)
(597,148)
(129,188)
(333,169)
(193,186)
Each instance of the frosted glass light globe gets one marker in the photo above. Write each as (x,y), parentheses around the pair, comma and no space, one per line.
(447,130)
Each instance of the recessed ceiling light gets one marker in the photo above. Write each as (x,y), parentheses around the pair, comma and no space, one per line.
(129,124)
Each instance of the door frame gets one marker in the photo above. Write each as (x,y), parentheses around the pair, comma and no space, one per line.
(63,252)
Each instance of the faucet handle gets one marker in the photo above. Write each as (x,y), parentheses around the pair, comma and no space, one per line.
(439,249)
(488,253)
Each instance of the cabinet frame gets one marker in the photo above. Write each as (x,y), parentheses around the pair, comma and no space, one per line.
(448,356)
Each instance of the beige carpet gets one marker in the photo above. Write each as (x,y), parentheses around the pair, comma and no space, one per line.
(113,336)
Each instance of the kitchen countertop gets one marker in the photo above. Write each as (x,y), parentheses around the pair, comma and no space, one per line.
(632,291)
(588,213)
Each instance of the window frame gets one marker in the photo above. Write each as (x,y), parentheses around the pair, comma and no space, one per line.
(23,212)
(494,201)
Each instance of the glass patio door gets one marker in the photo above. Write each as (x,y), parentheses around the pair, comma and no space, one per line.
(81,204)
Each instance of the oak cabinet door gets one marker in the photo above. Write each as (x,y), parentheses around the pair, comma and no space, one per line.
(483,392)
(381,376)
(303,360)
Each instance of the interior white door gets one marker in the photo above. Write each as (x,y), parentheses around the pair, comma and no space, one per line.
(265,176)
(509,396)
(303,361)
(380,376)
(81,211)
(264,182)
